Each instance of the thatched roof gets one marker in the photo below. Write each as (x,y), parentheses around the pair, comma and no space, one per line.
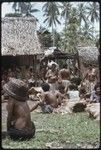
(88,54)
(19,36)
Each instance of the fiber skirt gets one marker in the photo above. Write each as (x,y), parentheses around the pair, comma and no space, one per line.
(17,134)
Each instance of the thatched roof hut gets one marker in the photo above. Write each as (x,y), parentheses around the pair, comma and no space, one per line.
(88,55)
(19,36)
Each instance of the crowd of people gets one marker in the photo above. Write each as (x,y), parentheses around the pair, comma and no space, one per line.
(58,87)
(69,87)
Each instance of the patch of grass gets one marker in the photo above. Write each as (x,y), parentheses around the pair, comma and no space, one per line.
(76,128)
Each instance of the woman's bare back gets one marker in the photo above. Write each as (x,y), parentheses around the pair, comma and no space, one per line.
(21,115)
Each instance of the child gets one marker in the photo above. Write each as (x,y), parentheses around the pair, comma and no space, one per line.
(48,100)
(73,93)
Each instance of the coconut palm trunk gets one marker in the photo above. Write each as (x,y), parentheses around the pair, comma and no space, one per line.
(52,13)
(65,33)
(53,36)
(93,29)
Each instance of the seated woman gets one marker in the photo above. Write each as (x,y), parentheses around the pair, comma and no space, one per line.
(19,125)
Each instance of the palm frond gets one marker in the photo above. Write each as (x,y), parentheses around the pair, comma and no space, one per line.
(46,20)
(14,5)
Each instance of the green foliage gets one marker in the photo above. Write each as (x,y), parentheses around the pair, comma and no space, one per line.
(75,33)
(71,32)
(82,13)
(13,15)
(57,38)
(78,22)
(51,12)
(45,37)
(25,8)
(93,11)
(66,8)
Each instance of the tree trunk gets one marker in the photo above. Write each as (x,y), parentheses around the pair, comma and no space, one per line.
(65,34)
(93,29)
(53,36)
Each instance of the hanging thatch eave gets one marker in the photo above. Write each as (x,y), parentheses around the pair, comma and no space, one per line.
(19,36)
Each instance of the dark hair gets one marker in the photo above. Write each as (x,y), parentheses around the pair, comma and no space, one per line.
(82,90)
(76,80)
(61,87)
(96,86)
(45,87)
(73,87)
(30,69)
(65,66)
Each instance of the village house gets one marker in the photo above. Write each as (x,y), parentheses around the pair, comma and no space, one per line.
(20,43)
(88,56)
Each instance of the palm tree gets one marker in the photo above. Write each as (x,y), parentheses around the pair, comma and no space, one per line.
(87,32)
(45,37)
(66,8)
(15,7)
(93,10)
(57,38)
(82,14)
(73,25)
(85,37)
(70,37)
(24,8)
(51,12)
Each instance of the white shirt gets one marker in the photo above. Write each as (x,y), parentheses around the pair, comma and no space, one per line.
(73,95)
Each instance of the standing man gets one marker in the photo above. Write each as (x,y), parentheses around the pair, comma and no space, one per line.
(64,76)
(52,77)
